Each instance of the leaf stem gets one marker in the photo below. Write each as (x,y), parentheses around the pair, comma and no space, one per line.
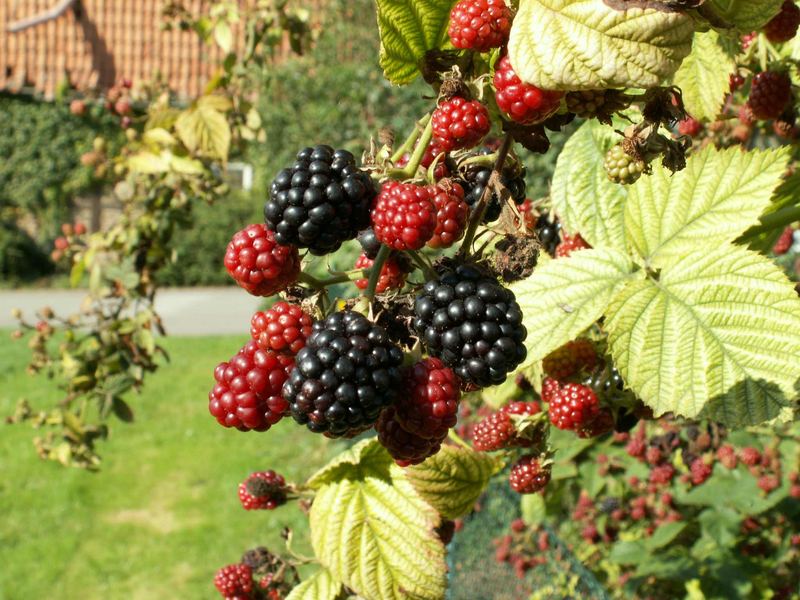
(480,209)
(375,272)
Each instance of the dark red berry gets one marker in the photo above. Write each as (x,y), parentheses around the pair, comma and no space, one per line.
(785,242)
(603,423)
(451,213)
(459,123)
(783,26)
(393,275)
(570,244)
(770,92)
(259,264)
(405,448)
(521,408)
(404,215)
(235,581)
(479,25)
(494,432)
(573,407)
(570,359)
(283,328)
(690,126)
(428,404)
(550,388)
(529,475)
(263,490)
(523,102)
(247,394)
(736,81)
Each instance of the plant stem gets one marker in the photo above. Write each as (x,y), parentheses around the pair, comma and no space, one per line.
(375,272)
(320,284)
(411,139)
(413,163)
(480,209)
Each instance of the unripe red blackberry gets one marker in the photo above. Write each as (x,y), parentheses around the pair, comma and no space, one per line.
(235,581)
(479,25)
(494,432)
(404,215)
(393,274)
(247,394)
(690,126)
(405,447)
(472,323)
(573,407)
(263,490)
(451,213)
(348,372)
(550,389)
(529,475)
(523,102)
(770,92)
(259,263)
(459,123)
(570,359)
(783,26)
(700,471)
(282,328)
(320,201)
(428,404)
(570,244)
(602,424)
(750,456)
(784,242)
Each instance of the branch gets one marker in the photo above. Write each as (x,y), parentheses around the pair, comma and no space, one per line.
(43,17)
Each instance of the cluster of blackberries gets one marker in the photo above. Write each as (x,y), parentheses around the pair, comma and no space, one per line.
(476,180)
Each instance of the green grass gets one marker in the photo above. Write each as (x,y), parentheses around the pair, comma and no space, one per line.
(162,514)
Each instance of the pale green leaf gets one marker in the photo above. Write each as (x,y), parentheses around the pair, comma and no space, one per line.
(747,15)
(584,198)
(718,336)
(565,296)
(377,541)
(148,163)
(408,29)
(186,166)
(158,137)
(320,586)
(586,44)
(365,455)
(453,479)
(717,196)
(215,102)
(704,76)
(204,129)
(534,509)
(223,36)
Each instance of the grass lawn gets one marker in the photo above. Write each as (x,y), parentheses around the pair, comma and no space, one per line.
(163,513)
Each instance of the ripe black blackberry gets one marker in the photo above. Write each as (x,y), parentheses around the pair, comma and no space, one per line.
(320,201)
(369,243)
(345,375)
(549,232)
(475,181)
(472,323)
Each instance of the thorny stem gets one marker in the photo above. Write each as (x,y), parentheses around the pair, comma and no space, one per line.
(480,209)
(413,163)
(375,272)
(409,143)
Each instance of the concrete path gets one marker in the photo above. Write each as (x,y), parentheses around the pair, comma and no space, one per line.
(185,311)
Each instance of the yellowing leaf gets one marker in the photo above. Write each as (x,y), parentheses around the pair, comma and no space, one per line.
(717,336)
(204,129)
(366,455)
(717,196)
(148,163)
(565,296)
(586,44)
(584,198)
(704,77)
(453,479)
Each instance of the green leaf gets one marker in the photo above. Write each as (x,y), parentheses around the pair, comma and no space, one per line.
(762,237)
(377,540)
(704,76)
(628,552)
(366,455)
(223,36)
(718,195)
(664,535)
(320,586)
(534,509)
(204,128)
(186,166)
(747,15)
(409,29)
(452,480)
(584,198)
(718,336)
(586,44)
(565,296)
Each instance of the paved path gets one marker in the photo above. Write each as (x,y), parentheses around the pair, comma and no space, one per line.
(185,311)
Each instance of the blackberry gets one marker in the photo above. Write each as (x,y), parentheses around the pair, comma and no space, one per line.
(529,475)
(472,323)
(347,373)
(475,182)
(263,490)
(428,406)
(369,243)
(549,232)
(405,447)
(235,581)
(320,201)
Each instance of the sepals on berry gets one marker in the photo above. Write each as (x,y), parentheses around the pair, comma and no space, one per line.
(263,490)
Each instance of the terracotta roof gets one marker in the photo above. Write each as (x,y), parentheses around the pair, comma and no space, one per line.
(97,43)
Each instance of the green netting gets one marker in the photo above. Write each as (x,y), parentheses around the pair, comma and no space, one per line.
(476,575)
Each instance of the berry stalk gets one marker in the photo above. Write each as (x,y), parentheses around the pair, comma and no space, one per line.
(480,208)
(411,140)
(416,158)
(375,272)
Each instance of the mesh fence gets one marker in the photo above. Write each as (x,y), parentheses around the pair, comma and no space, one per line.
(476,575)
